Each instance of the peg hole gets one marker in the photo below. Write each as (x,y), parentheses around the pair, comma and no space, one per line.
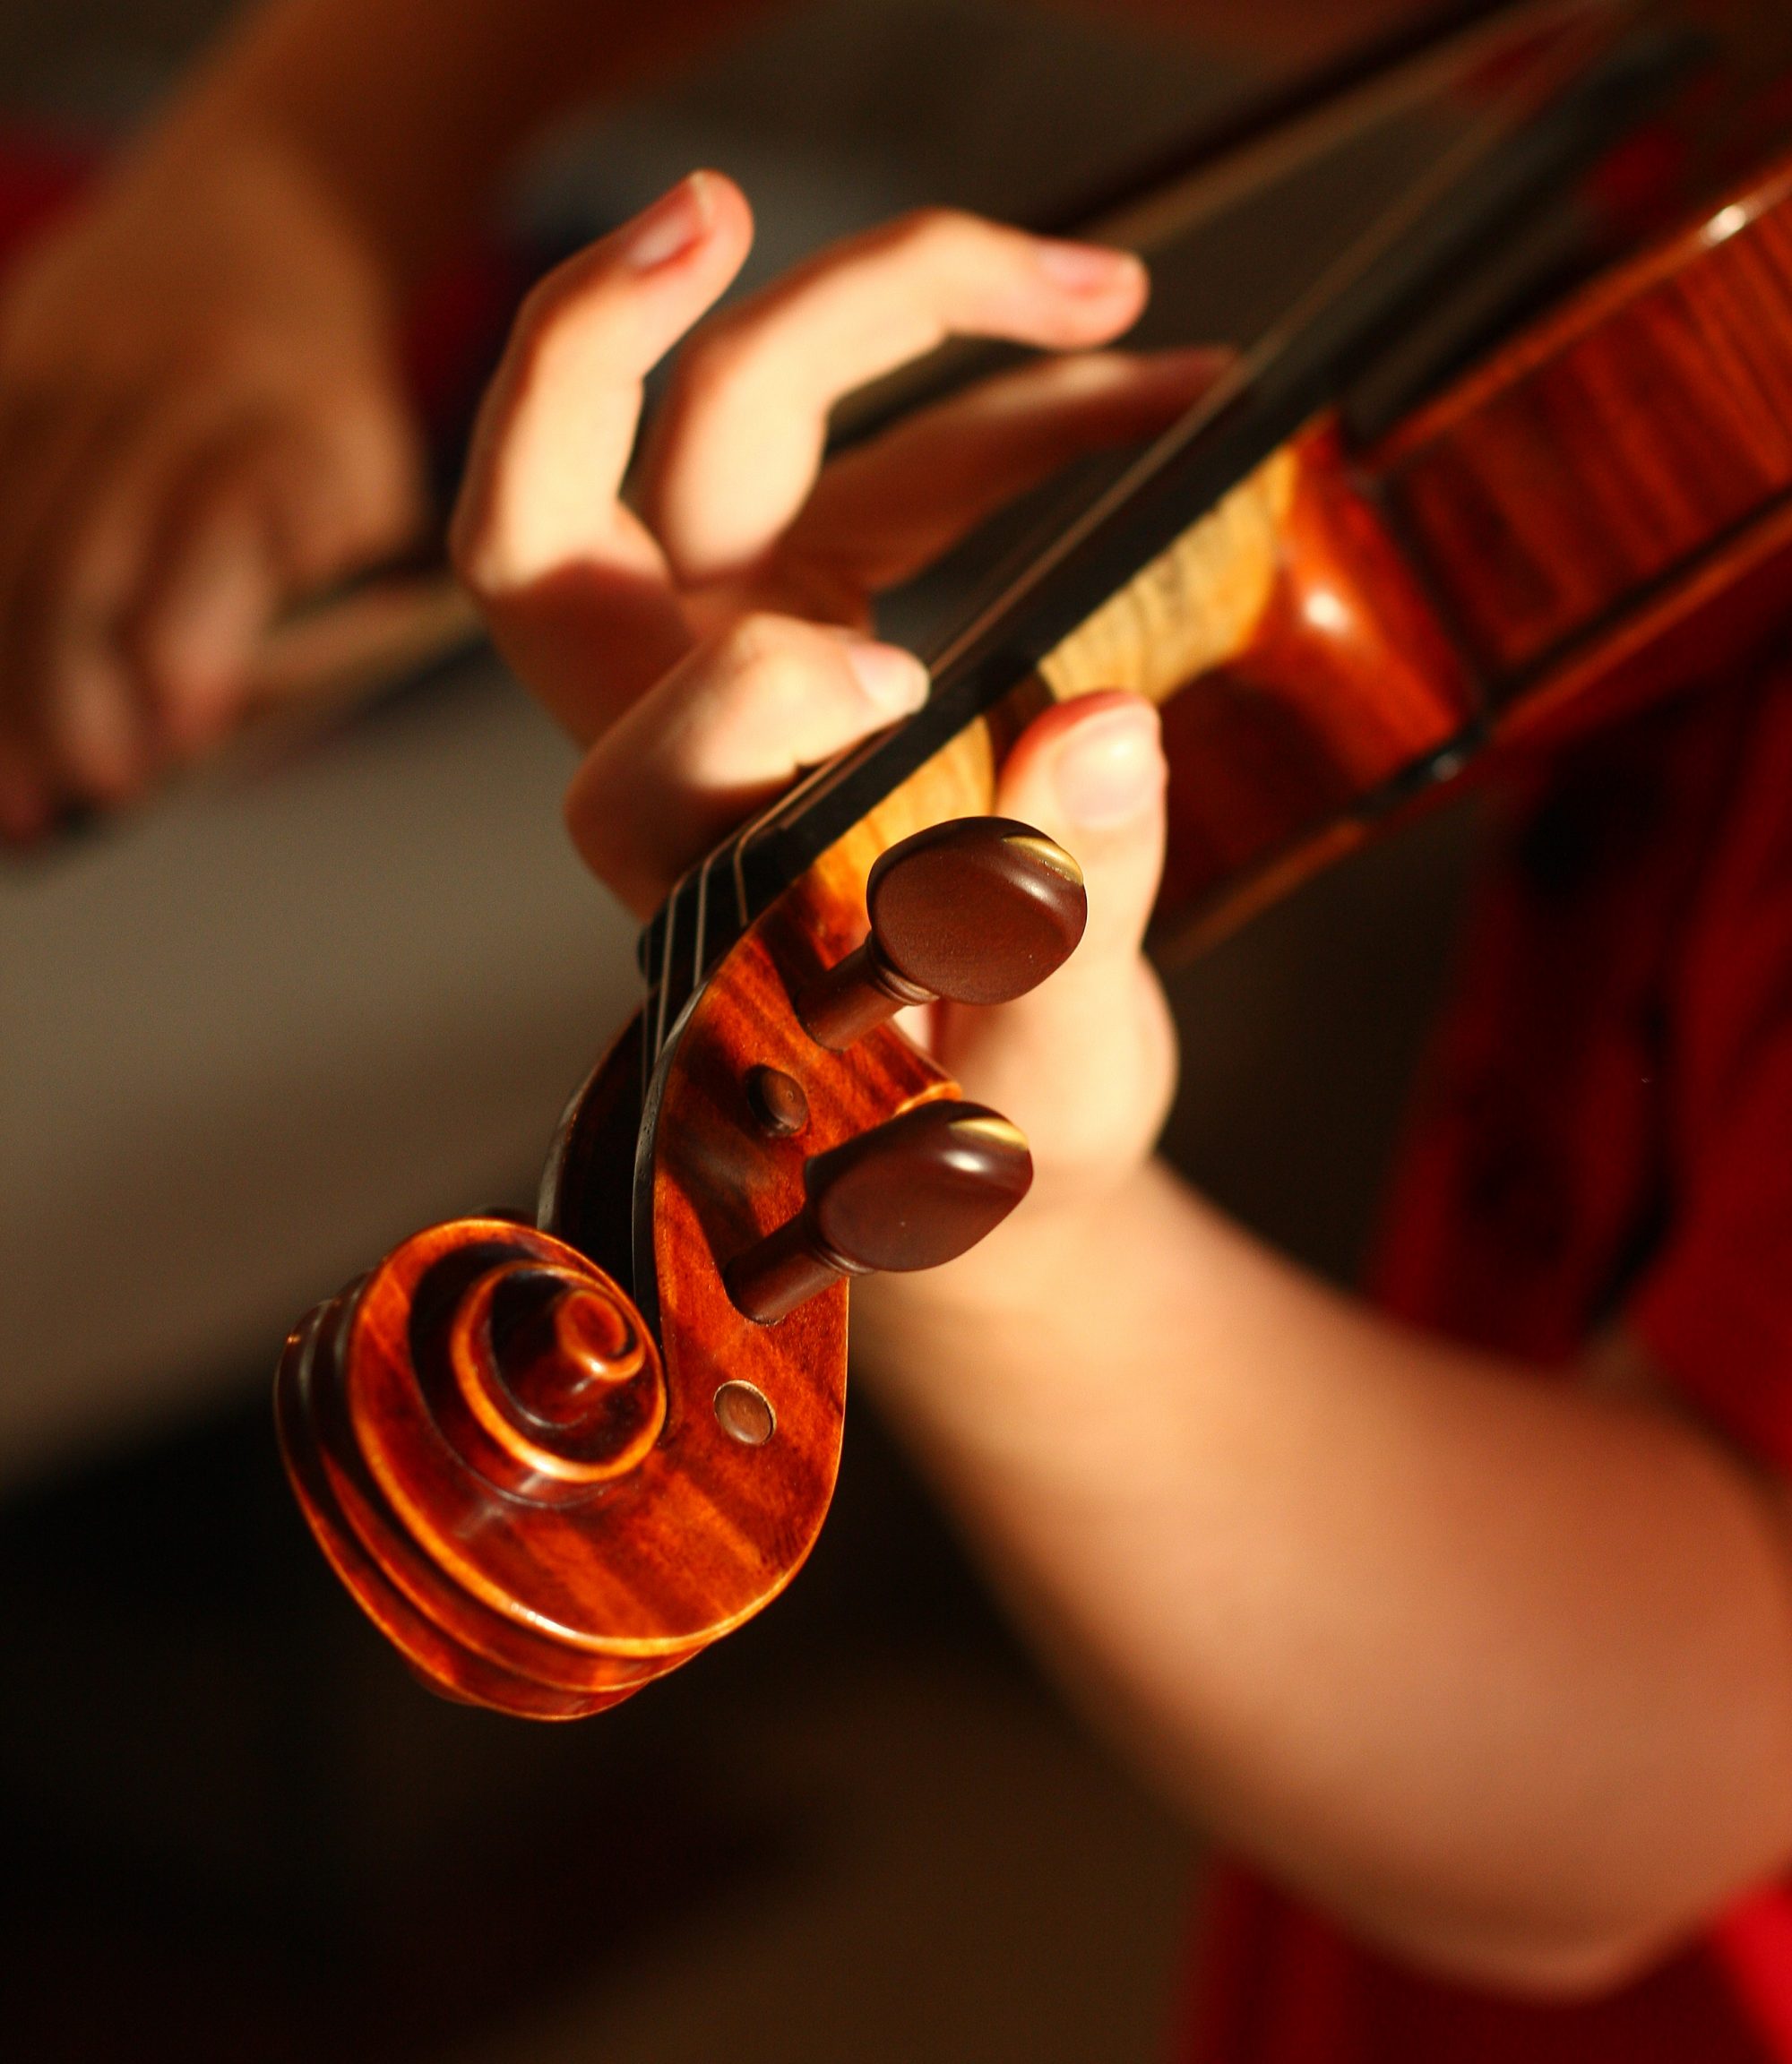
(745,1414)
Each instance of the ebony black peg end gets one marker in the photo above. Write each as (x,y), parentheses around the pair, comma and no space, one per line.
(917,1191)
(979,910)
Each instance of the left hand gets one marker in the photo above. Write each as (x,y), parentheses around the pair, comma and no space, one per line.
(711,642)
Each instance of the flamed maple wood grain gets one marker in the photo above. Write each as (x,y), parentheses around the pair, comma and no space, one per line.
(1601,468)
(1308,672)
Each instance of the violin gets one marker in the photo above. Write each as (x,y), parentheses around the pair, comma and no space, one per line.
(554,1460)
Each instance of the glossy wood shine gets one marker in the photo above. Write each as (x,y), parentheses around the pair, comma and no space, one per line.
(1601,512)
(1596,513)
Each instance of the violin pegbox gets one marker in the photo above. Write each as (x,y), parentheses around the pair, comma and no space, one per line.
(843,1150)
(799,1139)
(548,1492)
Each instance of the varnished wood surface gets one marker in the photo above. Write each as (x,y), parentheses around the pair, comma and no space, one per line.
(1616,447)
(1597,510)
(722,1181)
(1298,664)
(500,1584)
(463,1575)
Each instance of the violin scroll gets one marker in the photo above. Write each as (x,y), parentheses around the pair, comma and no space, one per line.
(547,1489)
(452,1422)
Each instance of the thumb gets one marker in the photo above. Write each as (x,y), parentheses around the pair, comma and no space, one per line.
(1085,1065)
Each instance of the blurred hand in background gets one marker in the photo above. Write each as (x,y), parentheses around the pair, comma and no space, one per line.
(202,418)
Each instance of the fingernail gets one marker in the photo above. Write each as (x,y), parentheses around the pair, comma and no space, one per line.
(894,681)
(674,222)
(1086,268)
(1110,767)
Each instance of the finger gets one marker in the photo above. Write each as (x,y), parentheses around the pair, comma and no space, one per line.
(214,585)
(730,726)
(1085,1063)
(48,444)
(27,801)
(575,589)
(883,512)
(346,485)
(738,445)
(279,509)
(51,454)
(70,648)
(63,669)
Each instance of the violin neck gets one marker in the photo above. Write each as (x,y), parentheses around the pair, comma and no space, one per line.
(1192,510)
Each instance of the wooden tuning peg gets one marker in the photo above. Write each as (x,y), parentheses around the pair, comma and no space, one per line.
(911,1193)
(979,910)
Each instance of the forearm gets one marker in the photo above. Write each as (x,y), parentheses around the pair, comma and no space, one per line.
(1497,1670)
(408,110)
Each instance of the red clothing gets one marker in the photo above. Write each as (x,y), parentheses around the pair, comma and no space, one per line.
(1605,1130)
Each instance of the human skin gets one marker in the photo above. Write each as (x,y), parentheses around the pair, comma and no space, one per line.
(1494,1666)
(201,415)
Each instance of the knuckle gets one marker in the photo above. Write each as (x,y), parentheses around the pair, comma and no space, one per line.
(585,819)
(606,836)
(469,550)
(760,647)
(536,335)
(716,362)
(925,227)
(593,820)
(380,479)
(775,666)
(539,311)
(476,542)
(553,308)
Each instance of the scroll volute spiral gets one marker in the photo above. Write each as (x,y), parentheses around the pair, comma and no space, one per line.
(547,1493)
(452,1422)
(540,1510)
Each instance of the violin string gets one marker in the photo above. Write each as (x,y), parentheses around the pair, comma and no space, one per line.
(1451,170)
(1272,141)
(1172,212)
(1354,265)
(665,967)
(1581,28)
(701,928)
(667,994)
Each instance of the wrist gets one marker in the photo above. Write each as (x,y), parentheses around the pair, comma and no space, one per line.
(1038,1369)
(1034,1274)
(257,164)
